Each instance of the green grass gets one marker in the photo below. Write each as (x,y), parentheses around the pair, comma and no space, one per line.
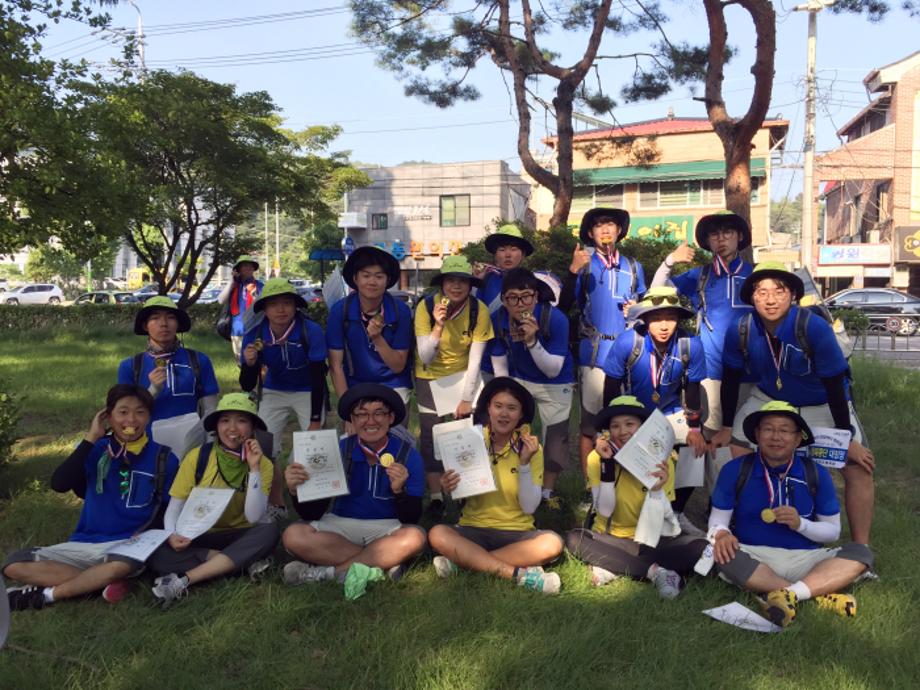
(469,632)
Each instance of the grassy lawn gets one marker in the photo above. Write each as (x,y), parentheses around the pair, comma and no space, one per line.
(469,632)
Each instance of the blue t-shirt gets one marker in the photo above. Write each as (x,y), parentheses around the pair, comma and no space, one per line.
(369,367)
(288,363)
(491,291)
(723,305)
(370,497)
(800,376)
(237,327)
(520,362)
(607,290)
(112,514)
(749,526)
(178,394)
(640,379)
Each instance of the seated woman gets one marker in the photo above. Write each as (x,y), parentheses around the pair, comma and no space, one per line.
(496,531)
(243,534)
(122,477)
(610,546)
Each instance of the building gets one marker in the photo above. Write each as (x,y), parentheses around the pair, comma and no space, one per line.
(423,211)
(871,187)
(667,173)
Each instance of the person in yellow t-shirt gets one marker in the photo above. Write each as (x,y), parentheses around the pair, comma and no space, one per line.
(608,547)
(243,535)
(496,531)
(447,344)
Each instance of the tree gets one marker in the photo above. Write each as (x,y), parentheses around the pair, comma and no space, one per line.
(786,216)
(48,262)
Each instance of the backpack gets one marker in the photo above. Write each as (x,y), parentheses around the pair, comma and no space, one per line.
(159,485)
(346,323)
(545,314)
(683,348)
(701,318)
(193,361)
(811,478)
(585,327)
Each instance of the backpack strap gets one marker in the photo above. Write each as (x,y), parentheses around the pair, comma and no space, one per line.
(159,485)
(546,313)
(744,335)
(403,452)
(634,280)
(701,317)
(474,313)
(204,452)
(136,363)
(802,316)
(744,474)
(635,353)
(350,443)
(683,349)
(195,362)
(811,480)
(346,324)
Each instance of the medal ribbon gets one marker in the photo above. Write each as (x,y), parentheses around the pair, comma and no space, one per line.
(775,356)
(105,460)
(611,259)
(284,336)
(719,267)
(655,369)
(769,482)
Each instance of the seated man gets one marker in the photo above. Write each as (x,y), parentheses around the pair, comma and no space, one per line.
(784,507)
(375,524)
(123,479)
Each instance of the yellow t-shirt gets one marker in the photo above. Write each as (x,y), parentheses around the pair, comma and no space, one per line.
(454,349)
(630,497)
(500,509)
(234,516)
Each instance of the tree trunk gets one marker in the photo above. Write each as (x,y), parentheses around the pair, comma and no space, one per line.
(738,180)
(564,134)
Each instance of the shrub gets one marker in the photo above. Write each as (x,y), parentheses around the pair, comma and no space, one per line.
(9,423)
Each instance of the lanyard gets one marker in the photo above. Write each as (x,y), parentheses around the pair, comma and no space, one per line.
(769,482)
(776,357)
(655,370)
(611,260)
(719,267)
(283,339)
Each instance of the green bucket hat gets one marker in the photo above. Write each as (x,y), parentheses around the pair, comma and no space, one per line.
(160,302)
(621,405)
(508,234)
(777,407)
(246,259)
(275,287)
(234,402)
(721,219)
(619,215)
(771,269)
(659,299)
(459,267)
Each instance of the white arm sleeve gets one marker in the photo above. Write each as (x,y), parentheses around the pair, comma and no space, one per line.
(256,499)
(427,347)
(662,275)
(208,405)
(500,365)
(171,516)
(719,520)
(225,293)
(529,494)
(823,530)
(606,500)
(471,380)
(548,363)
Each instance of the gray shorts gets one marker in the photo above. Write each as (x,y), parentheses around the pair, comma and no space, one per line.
(789,564)
(358,532)
(494,539)
(77,554)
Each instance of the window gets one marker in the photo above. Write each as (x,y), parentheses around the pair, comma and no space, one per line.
(755,190)
(455,210)
(587,197)
(714,193)
(379,221)
(679,193)
(84,299)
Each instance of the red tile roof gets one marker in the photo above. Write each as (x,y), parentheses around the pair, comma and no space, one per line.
(660,126)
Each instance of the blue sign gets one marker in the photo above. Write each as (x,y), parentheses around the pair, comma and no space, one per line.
(348,245)
(399,251)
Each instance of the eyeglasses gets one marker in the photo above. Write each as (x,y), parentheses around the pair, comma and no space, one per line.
(773,431)
(657,300)
(525,298)
(722,232)
(763,293)
(378,415)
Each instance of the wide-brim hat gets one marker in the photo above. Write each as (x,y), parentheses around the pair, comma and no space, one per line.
(508,234)
(457,267)
(160,302)
(667,298)
(516,276)
(246,259)
(363,391)
(276,287)
(777,407)
(619,215)
(621,405)
(722,219)
(234,402)
(496,385)
(771,269)
(381,258)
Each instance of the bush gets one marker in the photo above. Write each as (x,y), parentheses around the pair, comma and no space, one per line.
(854,320)
(9,423)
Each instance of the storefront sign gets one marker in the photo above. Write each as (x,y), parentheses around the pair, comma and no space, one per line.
(862,254)
(677,228)
(907,244)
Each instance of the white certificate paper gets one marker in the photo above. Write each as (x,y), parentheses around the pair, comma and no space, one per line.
(464,451)
(202,510)
(447,392)
(830,446)
(140,546)
(690,469)
(742,617)
(446,428)
(318,452)
(179,433)
(648,448)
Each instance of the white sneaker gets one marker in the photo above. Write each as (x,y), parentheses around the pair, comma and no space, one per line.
(668,582)
(600,576)
(169,588)
(688,528)
(298,573)
(539,581)
(443,566)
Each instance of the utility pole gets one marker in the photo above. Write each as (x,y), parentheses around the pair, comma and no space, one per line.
(140,38)
(277,264)
(267,257)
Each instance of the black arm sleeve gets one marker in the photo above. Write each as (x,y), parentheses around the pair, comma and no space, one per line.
(693,401)
(311,510)
(612,388)
(731,382)
(837,400)
(317,390)
(408,508)
(567,293)
(608,470)
(70,475)
(249,376)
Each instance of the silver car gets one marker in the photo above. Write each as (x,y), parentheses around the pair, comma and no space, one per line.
(34,293)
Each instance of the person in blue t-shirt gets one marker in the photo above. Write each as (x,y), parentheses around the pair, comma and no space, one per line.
(123,478)
(242,292)
(784,508)
(374,524)
(181,380)
(604,286)
(369,333)
(779,344)
(663,367)
(531,345)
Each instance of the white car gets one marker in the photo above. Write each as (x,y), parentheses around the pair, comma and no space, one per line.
(34,293)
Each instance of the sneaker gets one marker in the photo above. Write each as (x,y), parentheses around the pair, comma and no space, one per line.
(116,591)
(779,606)
(277,513)
(553,502)
(841,604)
(169,588)
(600,576)
(444,567)
(867,575)
(688,528)
(257,570)
(539,581)
(298,573)
(395,573)
(668,583)
(24,598)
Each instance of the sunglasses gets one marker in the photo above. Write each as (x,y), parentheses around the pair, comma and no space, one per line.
(658,300)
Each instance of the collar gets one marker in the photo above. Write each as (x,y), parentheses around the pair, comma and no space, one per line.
(155,352)
(733,268)
(611,262)
(133,447)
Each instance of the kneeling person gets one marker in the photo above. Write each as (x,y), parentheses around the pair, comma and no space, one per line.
(784,507)
(375,524)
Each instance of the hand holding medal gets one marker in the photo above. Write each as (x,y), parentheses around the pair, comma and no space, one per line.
(530,444)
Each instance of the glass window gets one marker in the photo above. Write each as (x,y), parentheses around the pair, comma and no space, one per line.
(609,195)
(379,221)
(714,193)
(755,190)
(582,199)
(648,195)
(455,210)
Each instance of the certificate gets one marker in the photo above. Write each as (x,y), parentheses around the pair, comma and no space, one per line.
(178,433)
(446,428)
(202,510)
(742,617)
(464,451)
(447,392)
(830,446)
(318,452)
(690,468)
(650,446)
(140,546)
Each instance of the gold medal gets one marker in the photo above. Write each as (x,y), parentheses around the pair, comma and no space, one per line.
(779,384)
(655,397)
(525,315)
(160,363)
(445,302)
(605,435)
(387,459)
(767,515)
(128,431)
(525,430)
(258,344)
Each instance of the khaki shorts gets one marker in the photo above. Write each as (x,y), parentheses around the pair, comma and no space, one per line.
(591,381)
(357,531)
(77,554)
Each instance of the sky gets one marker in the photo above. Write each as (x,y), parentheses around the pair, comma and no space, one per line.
(304,56)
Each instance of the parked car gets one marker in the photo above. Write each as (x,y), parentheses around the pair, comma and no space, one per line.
(883,305)
(209,296)
(34,293)
(106,297)
(146,292)
(311,294)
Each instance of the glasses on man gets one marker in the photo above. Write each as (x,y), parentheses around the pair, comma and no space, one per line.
(782,432)
(722,232)
(658,300)
(764,293)
(525,298)
(364,415)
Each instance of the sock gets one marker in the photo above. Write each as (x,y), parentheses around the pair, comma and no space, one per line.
(801,590)
(548,493)
(436,496)
(48,592)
